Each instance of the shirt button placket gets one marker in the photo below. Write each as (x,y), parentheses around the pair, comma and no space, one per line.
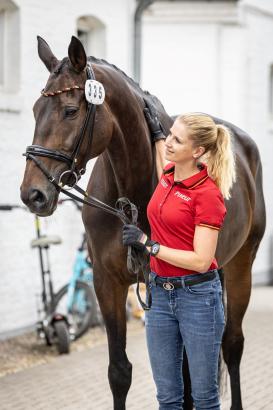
(164,199)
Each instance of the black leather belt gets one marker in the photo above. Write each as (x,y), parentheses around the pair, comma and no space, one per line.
(170,284)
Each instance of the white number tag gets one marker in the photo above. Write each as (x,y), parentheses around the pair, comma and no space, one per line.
(94,92)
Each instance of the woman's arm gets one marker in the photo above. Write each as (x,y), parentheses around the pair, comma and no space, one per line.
(157,135)
(161,162)
(200,259)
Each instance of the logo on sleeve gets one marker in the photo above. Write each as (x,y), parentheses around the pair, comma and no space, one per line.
(182,196)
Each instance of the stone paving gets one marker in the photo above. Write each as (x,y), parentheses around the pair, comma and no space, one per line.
(79,382)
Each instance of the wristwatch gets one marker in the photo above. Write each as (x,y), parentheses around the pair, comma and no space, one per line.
(154,249)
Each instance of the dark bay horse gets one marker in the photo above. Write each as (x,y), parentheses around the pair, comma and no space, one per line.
(126,167)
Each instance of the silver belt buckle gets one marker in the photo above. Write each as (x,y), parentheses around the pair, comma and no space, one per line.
(168,286)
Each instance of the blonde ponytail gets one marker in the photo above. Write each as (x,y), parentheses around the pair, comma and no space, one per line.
(221,162)
(216,139)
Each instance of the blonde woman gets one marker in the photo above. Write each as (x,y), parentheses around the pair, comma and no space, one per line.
(185,214)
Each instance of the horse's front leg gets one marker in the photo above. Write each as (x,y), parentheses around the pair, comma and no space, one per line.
(112,300)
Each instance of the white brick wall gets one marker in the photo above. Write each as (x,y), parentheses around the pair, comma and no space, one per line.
(19,265)
(211,58)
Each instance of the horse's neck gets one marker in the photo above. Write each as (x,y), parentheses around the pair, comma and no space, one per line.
(130,156)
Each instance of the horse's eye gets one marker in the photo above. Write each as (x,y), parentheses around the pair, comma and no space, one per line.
(70,111)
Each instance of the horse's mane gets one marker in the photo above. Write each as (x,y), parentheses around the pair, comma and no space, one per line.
(101,61)
(133,83)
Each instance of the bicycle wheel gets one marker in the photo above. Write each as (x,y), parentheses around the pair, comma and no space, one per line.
(82,309)
(62,335)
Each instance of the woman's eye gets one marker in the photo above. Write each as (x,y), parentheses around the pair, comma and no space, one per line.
(70,111)
(177,140)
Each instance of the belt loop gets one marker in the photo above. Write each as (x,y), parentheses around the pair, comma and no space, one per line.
(183,281)
(152,277)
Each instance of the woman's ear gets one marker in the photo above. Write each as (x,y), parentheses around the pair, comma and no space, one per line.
(198,152)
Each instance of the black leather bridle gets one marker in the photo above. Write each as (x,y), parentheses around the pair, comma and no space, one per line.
(136,261)
(73,174)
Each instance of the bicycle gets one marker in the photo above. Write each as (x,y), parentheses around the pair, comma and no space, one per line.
(62,319)
(81,279)
(52,326)
(77,299)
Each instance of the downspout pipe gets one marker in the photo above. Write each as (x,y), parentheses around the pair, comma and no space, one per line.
(142,5)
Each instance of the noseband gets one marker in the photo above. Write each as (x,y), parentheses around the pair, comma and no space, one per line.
(73,174)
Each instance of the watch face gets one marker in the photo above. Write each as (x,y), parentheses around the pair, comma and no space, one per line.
(155,249)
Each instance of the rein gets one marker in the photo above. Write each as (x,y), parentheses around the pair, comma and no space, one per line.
(137,261)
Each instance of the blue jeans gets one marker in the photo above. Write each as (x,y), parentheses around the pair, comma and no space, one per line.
(190,317)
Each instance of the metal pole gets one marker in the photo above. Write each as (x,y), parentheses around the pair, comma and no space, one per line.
(143,4)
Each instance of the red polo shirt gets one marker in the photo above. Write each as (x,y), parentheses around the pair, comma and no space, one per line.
(174,210)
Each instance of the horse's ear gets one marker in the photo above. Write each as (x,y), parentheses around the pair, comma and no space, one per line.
(77,54)
(46,54)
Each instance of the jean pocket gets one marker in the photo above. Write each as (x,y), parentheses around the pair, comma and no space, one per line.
(202,289)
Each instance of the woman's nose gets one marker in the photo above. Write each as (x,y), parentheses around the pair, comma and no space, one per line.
(168,141)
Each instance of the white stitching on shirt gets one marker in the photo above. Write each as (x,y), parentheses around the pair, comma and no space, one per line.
(182,196)
(164,183)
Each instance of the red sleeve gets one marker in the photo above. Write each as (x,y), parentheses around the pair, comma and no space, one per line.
(210,209)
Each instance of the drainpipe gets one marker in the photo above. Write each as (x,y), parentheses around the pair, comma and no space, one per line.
(142,5)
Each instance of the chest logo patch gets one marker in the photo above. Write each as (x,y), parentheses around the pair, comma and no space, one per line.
(164,183)
(182,196)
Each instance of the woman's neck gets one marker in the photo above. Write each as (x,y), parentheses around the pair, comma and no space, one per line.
(184,171)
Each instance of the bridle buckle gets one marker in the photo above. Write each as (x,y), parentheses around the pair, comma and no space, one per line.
(70,186)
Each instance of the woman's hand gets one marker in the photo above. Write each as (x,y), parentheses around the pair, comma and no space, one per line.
(133,236)
(155,127)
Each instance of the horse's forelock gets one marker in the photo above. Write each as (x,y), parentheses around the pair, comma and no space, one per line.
(60,65)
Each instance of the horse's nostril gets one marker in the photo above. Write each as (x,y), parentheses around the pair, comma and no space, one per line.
(37,197)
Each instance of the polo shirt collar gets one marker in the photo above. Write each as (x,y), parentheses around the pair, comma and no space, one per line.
(190,182)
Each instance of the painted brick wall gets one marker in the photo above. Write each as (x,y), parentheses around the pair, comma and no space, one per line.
(216,61)
(19,265)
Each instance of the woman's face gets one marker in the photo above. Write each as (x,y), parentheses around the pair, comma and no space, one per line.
(178,147)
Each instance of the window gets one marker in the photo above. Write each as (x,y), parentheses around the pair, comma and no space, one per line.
(2,51)
(91,32)
(9,46)
(271,93)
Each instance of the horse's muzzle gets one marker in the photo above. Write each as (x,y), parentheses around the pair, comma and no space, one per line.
(37,201)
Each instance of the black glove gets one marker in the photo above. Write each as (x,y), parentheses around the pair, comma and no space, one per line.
(153,122)
(133,236)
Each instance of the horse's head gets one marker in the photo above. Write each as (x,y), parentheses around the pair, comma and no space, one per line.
(64,125)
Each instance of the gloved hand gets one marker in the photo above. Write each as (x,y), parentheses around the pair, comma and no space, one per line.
(133,236)
(153,122)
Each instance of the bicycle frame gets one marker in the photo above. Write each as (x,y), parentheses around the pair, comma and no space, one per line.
(82,270)
(47,285)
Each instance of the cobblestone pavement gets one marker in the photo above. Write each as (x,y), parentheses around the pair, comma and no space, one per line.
(78,381)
